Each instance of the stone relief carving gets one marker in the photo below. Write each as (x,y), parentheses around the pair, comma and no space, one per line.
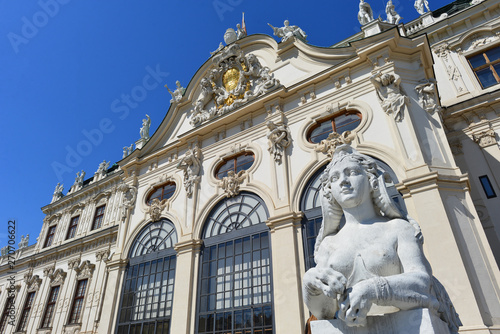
(49,270)
(427,96)
(485,138)
(288,31)
(33,283)
(392,16)
(443,52)
(231,183)
(58,277)
(85,270)
(390,93)
(128,199)
(74,263)
(365,14)
(334,140)
(478,40)
(178,93)
(57,193)
(233,80)
(102,255)
(191,166)
(421,6)
(279,138)
(351,281)
(155,209)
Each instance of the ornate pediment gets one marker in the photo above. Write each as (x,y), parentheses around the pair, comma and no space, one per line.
(85,270)
(234,79)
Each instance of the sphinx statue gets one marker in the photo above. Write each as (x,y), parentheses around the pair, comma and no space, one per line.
(372,265)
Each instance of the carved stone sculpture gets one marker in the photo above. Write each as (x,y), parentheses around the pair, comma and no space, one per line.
(374,263)
(240,32)
(144,132)
(57,193)
(127,150)
(103,167)
(419,6)
(4,251)
(191,166)
(391,96)
(392,16)
(334,140)
(288,31)
(178,93)
(233,80)
(24,241)
(128,200)
(365,14)
(155,209)
(279,138)
(427,97)
(231,182)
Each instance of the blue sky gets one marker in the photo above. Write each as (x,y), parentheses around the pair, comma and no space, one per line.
(67,67)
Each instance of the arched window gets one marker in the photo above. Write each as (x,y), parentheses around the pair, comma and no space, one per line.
(236,164)
(234,289)
(164,191)
(345,121)
(311,207)
(148,287)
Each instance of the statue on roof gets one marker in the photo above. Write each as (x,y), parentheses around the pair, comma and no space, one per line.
(127,150)
(146,123)
(392,16)
(177,93)
(57,192)
(365,14)
(240,32)
(288,31)
(419,6)
(103,166)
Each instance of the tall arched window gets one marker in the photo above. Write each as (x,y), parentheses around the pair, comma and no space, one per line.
(310,205)
(148,287)
(234,289)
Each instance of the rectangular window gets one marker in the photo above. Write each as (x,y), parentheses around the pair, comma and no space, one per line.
(98,217)
(50,308)
(73,224)
(50,236)
(487,186)
(486,66)
(23,321)
(76,309)
(6,313)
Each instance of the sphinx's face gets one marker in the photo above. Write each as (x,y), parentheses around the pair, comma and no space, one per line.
(349,184)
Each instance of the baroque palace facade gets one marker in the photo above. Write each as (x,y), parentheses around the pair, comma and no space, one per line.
(209,225)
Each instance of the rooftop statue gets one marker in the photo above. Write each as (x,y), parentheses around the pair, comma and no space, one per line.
(392,16)
(365,14)
(288,31)
(419,6)
(177,93)
(146,123)
(57,193)
(374,263)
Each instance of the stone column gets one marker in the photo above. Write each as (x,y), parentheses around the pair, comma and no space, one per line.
(110,301)
(288,268)
(186,273)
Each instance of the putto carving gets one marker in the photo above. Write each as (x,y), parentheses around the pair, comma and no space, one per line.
(58,277)
(427,96)
(334,140)
(178,93)
(57,193)
(128,199)
(231,183)
(191,166)
(279,138)
(155,209)
(390,93)
(365,14)
(233,80)
(288,31)
(85,270)
(485,138)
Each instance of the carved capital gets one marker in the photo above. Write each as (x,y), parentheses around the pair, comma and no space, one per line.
(47,271)
(73,263)
(485,138)
(58,277)
(33,283)
(102,255)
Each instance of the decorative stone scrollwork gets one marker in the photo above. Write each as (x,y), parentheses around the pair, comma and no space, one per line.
(47,271)
(233,80)
(33,283)
(231,183)
(128,200)
(334,139)
(279,138)
(390,93)
(480,39)
(427,96)
(191,165)
(102,255)
(155,209)
(85,270)
(485,138)
(74,263)
(58,277)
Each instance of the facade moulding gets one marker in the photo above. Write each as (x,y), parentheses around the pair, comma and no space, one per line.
(431,181)
(188,246)
(284,221)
